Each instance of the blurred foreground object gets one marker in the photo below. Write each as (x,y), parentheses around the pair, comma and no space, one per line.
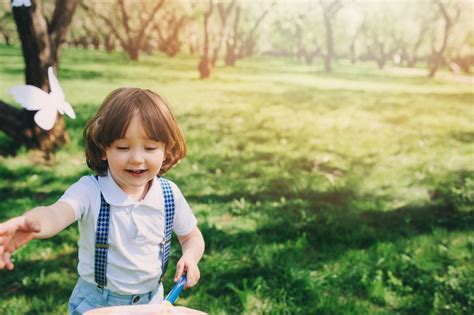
(158,309)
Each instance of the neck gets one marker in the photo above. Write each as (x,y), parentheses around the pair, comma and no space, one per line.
(138,196)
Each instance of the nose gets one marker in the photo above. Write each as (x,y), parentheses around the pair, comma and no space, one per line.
(137,157)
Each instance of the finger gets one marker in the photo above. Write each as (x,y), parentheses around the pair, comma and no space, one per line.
(8,227)
(7,260)
(179,271)
(190,283)
(193,276)
(2,250)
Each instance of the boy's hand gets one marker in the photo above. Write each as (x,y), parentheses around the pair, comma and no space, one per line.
(187,265)
(15,233)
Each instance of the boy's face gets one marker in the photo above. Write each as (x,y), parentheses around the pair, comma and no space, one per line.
(134,160)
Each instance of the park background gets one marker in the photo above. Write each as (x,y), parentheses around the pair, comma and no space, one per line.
(330,159)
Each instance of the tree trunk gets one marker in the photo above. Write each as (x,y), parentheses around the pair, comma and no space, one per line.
(329,10)
(109,43)
(435,62)
(464,63)
(411,63)
(224,13)
(231,56)
(329,45)
(40,46)
(204,66)
(231,45)
(383,56)
(133,52)
(6,38)
(352,53)
(381,62)
(437,55)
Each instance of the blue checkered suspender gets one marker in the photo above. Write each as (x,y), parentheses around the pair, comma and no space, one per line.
(102,234)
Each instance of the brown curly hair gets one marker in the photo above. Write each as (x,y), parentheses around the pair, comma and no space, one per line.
(111,121)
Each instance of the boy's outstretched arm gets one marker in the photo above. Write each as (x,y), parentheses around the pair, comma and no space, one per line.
(192,245)
(38,223)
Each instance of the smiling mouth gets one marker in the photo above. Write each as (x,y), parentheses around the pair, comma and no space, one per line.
(136,172)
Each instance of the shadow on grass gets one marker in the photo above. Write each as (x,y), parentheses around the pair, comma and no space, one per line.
(335,225)
(44,175)
(465,137)
(37,185)
(30,277)
(293,237)
(8,147)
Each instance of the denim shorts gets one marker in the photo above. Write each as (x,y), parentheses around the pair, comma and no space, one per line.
(87,296)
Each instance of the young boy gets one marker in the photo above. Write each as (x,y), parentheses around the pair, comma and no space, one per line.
(125,212)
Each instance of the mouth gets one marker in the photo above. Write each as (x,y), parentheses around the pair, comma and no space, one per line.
(136,172)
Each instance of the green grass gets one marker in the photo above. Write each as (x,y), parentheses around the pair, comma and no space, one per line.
(343,193)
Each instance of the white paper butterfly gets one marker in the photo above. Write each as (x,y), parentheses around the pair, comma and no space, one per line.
(19,3)
(47,104)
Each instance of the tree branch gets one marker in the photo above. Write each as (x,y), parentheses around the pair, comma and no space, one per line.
(62,17)
(148,21)
(125,17)
(107,21)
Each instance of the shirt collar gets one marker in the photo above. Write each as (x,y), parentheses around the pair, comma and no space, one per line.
(114,195)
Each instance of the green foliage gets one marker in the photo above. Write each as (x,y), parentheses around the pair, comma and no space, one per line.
(348,193)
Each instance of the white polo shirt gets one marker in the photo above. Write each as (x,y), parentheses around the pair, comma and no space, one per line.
(135,231)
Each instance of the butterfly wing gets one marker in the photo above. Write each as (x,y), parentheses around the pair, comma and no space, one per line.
(19,3)
(46,117)
(57,95)
(30,97)
(56,90)
(68,110)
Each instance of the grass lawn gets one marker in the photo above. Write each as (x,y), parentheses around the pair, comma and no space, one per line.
(342,193)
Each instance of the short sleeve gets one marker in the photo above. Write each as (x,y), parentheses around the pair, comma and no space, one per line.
(184,219)
(80,194)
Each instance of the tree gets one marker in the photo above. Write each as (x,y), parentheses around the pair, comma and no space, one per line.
(462,53)
(224,13)
(131,24)
(168,32)
(41,42)
(87,31)
(294,31)
(307,46)
(7,26)
(242,39)
(329,10)
(205,66)
(379,32)
(448,18)
(413,25)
